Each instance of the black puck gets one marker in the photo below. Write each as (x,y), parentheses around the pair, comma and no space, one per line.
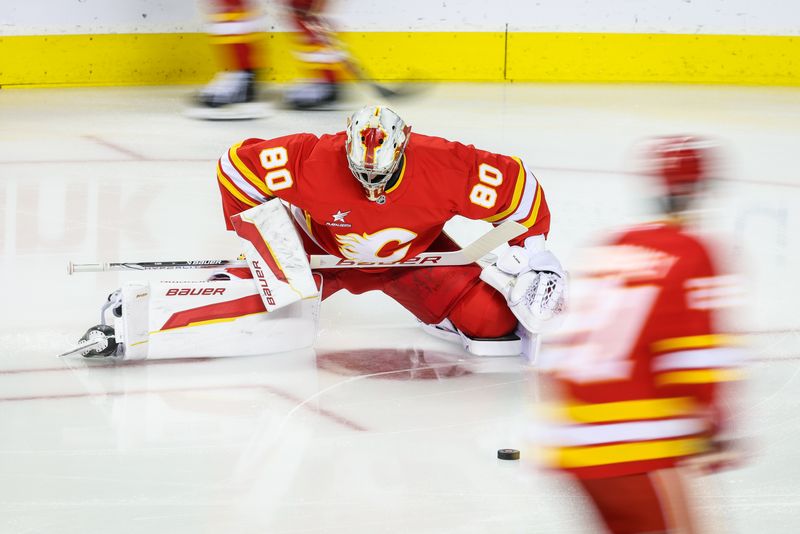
(508,454)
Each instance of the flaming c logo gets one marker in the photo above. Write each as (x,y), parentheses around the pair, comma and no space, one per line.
(367,247)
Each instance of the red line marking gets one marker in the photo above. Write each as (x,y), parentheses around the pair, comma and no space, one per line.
(106,364)
(328,414)
(116,147)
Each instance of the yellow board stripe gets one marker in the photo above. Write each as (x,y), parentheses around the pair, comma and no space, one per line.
(246,172)
(515,197)
(575,457)
(699,376)
(123,59)
(610,412)
(691,342)
(675,58)
(235,39)
(232,189)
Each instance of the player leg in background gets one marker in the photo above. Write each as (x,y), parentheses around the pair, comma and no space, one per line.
(319,55)
(233,29)
(654,502)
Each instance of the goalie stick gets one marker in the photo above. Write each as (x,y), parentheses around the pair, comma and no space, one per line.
(472,253)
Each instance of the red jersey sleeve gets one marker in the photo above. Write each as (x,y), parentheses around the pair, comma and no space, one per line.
(500,188)
(256,170)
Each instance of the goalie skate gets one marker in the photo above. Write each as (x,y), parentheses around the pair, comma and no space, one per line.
(98,342)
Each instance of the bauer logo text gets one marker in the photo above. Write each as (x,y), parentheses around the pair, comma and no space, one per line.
(186,291)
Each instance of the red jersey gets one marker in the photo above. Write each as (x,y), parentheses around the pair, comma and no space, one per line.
(438,179)
(636,368)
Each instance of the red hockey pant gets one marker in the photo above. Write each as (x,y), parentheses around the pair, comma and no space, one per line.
(431,293)
(643,503)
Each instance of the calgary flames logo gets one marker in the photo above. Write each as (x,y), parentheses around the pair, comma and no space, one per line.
(368,247)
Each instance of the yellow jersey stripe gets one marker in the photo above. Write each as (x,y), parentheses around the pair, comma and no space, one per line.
(400,178)
(699,376)
(590,456)
(308,223)
(247,173)
(232,189)
(691,342)
(620,411)
(515,197)
(231,16)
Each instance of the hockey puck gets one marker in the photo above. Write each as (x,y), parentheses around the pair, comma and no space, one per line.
(508,454)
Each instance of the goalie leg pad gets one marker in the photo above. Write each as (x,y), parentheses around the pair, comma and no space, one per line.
(208,319)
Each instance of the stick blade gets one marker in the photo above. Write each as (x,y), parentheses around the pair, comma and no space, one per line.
(492,239)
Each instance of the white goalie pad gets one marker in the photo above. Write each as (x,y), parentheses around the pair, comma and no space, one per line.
(208,319)
(275,255)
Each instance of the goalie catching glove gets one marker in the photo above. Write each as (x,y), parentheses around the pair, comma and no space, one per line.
(532,281)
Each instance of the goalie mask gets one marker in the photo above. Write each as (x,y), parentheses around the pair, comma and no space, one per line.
(376,139)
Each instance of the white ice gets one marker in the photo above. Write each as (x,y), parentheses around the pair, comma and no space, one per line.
(381,428)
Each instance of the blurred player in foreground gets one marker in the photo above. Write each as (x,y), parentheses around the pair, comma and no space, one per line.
(373,195)
(634,379)
(235,31)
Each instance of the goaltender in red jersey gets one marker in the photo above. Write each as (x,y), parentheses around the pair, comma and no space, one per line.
(378,193)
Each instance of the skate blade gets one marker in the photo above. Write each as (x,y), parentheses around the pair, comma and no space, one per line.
(233,112)
(81,348)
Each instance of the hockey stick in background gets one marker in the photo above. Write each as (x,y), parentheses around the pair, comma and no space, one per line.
(358,74)
(472,253)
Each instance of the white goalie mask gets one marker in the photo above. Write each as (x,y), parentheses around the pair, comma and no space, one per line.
(376,139)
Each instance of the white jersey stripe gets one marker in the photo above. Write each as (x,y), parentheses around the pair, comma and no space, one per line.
(523,211)
(322,56)
(699,359)
(578,435)
(239,27)
(240,182)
